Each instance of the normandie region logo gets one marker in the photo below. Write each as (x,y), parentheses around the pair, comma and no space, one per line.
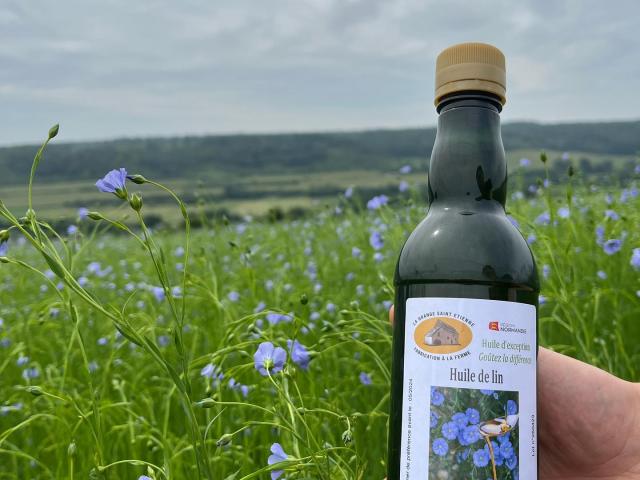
(441,335)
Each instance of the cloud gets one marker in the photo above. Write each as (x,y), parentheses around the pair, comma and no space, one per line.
(162,67)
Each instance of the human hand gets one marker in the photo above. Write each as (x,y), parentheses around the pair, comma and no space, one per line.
(588,421)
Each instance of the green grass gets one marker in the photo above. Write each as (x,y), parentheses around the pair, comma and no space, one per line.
(101,402)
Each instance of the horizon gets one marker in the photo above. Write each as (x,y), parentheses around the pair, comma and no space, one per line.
(59,139)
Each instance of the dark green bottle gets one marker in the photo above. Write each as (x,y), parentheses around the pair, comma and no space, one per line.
(463,394)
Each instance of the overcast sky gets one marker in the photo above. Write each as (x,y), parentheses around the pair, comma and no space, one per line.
(115,68)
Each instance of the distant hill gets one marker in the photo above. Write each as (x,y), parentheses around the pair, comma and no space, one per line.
(205,156)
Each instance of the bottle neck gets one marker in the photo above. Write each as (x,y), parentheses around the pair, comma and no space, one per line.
(467,162)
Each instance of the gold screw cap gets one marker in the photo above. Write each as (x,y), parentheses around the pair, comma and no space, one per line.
(471,66)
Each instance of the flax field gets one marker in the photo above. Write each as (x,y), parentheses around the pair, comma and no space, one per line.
(260,349)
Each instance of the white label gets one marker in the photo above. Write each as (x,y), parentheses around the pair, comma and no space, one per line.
(469,394)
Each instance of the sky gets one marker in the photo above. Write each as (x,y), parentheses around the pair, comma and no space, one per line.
(122,68)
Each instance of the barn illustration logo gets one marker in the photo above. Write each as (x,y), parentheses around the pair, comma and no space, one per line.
(441,335)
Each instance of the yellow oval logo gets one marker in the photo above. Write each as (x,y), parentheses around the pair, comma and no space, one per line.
(442,335)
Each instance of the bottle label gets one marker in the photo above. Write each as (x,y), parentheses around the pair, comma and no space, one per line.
(469,399)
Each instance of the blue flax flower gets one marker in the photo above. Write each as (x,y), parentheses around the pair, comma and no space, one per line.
(4,249)
(299,354)
(208,370)
(114,182)
(612,246)
(480,458)
(437,398)
(497,456)
(512,462)
(233,385)
(275,318)
(158,292)
(512,407)
(365,378)
(449,430)
(30,373)
(375,240)
(611,215)
(440,447)
(460,419)
(269,359)
(506,449)
(599,234)
(378,201)
(277,455)
(469,435)
(473,416)
(434,419)
(543,219)
(635,259)
(564,212)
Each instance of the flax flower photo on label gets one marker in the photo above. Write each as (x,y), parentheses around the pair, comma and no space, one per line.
(473,434)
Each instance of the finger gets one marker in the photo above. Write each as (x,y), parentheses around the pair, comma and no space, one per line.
(391,314)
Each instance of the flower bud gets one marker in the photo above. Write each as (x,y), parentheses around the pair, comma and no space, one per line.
(304,299)
(53,131)
(72,450)
(137,179)
(571,171)
(206,403)
(543,157)
(347,437)
(54,265)
(136,202)
(224,440)
(4,260)
(30,215)
(4,236)
(35,391)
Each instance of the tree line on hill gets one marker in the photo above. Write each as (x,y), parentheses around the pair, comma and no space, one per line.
(205,156)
